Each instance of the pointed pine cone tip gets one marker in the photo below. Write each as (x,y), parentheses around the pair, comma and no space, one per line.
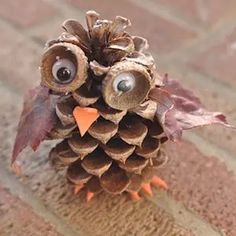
(122,22)
(140,43)
(91,18)
(73,27)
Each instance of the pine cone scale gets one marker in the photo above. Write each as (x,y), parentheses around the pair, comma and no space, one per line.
(121,149)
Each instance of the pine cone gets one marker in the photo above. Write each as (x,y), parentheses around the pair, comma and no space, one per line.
(106,69)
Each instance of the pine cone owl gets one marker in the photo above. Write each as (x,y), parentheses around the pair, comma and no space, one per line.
(102,97)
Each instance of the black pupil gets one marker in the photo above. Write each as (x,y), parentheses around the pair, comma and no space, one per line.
(124,86)
(63,74)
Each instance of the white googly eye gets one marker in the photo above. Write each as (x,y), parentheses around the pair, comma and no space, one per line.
(124,82)
(63,70)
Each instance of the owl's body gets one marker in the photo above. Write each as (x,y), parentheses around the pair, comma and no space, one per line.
(101,96)
(120,149)
(120,152)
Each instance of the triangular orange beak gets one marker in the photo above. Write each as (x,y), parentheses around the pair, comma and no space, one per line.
(85,116)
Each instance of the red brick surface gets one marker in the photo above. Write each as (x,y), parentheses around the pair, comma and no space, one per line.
(26,13)
(17,218)
(20,59)
(218,61)
(205,13)
(202,183)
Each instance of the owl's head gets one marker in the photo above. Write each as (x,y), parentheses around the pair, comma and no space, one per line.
(103,64)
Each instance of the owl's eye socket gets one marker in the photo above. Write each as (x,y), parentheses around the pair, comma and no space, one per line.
(124,82)
(64,67)
(126,85)
(64,71)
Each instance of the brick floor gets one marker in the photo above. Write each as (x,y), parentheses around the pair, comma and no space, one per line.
(208,189)
(218,60)
(17,218)
(206,13)
(19,68)
(26,13)
(203,185)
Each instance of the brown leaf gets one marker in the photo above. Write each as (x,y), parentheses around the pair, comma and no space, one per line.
(179,109)
(37,119)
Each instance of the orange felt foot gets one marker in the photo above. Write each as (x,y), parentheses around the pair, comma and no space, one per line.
(146,187)
(134,196)
(77,188)
(89,196)
(158,182)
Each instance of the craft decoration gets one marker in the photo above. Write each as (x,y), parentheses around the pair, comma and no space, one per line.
(100,94)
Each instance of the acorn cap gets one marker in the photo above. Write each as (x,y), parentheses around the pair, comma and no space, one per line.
(133,97)
(63,51)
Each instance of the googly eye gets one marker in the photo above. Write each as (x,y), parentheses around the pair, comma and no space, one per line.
(63,71)
(126,85)
(124,82)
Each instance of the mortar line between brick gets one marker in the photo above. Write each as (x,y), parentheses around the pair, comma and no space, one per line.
(168,14)
(184,216)
(10,181)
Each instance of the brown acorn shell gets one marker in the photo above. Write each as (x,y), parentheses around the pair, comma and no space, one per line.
(68,51)
(132,98)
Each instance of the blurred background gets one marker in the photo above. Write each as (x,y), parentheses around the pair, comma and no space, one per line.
(193,41)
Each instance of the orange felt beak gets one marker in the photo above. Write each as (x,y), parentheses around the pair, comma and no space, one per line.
(85,116)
